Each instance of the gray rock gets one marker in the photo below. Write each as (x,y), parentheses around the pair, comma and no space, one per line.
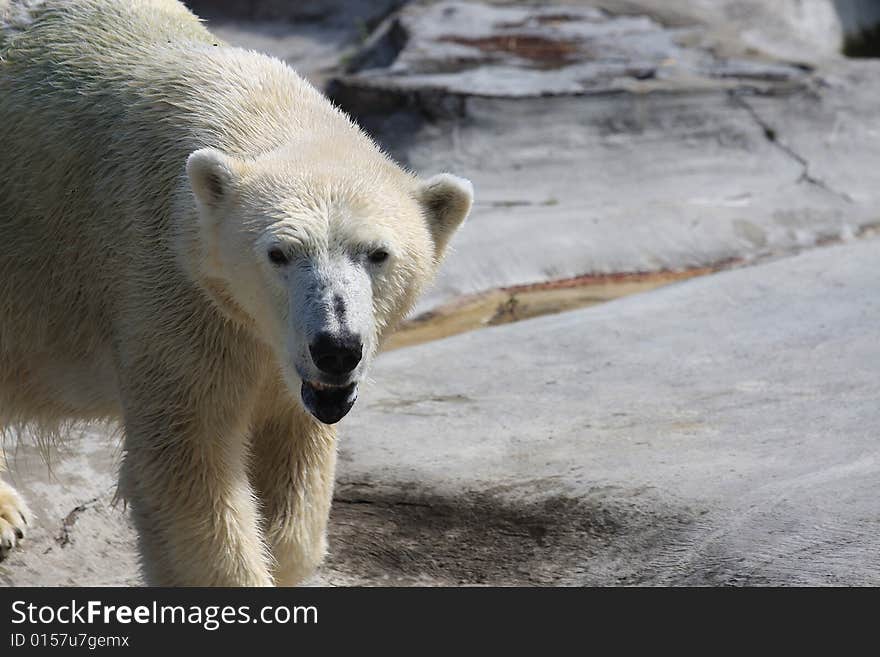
(600,143)
(339,12)
(314,50)
(718,431)
(80,536)
(313,36)
(858,16)
(809,31)
(649,182)
(481,50)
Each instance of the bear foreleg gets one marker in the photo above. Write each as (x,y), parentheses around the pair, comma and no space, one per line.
(294,459)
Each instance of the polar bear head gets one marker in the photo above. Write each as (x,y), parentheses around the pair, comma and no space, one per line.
(319,259)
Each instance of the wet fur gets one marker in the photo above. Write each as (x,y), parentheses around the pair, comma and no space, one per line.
(107,309)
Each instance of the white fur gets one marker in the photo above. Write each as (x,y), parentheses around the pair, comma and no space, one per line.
(146,171)
(14,517)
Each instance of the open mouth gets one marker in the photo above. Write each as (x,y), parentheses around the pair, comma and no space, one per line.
(328,403)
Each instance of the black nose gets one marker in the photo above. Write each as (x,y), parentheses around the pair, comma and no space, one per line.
(336,355)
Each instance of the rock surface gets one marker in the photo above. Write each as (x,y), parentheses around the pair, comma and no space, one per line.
(602,143)
(474,49)
(718,431)
(79,536)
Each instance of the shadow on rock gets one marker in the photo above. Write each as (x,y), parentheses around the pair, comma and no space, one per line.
(396,537)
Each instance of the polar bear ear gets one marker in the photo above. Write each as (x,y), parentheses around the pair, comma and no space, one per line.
(446,201)
(211,176)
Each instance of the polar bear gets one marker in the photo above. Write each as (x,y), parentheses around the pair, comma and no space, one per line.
(195,243)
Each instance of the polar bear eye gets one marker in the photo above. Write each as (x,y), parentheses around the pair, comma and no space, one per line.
(277,256)
(378,256)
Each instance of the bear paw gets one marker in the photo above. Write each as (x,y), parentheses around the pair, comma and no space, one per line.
(14,518)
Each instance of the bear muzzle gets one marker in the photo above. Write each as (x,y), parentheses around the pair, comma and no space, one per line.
(328,403)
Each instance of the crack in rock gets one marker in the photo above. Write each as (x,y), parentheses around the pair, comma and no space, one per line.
(772,135)
(64,538)
(359,500)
